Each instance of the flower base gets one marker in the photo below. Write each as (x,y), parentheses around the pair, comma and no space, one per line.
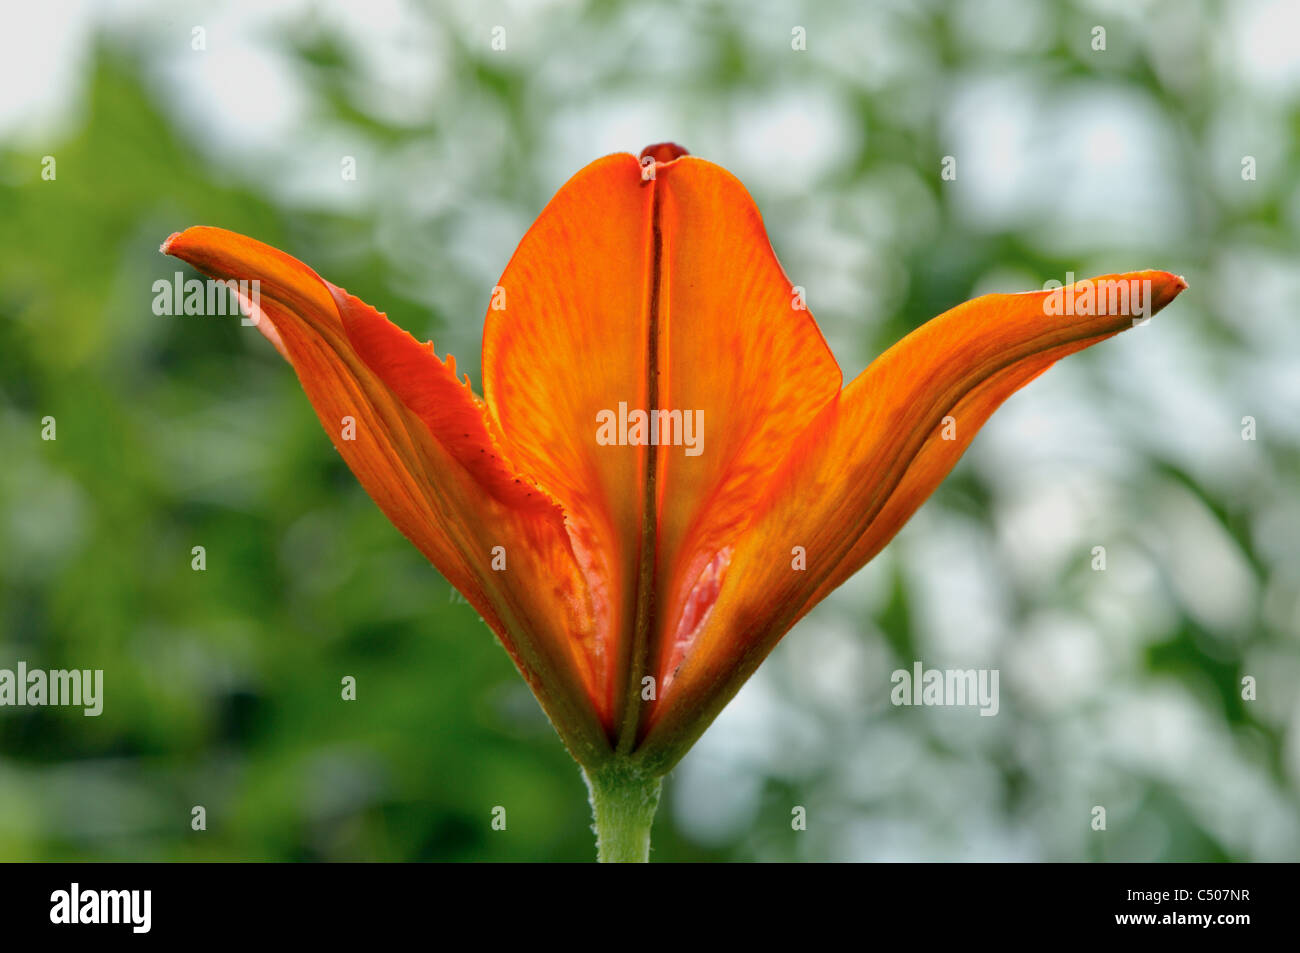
(623,802)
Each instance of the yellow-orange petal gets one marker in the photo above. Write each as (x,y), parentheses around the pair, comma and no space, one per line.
(638,290)
(744,355)
(422,463)
(860,469)
(565,340)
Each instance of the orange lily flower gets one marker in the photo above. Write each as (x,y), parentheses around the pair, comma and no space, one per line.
(664,472)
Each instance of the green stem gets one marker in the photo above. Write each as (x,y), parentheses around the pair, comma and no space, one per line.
(623,799)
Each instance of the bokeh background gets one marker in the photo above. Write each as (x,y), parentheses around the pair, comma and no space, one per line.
(1119,688)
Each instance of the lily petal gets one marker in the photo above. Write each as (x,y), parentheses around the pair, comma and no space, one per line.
(740,350)
(425,453)
(854,476)
(566,338)
(651,288)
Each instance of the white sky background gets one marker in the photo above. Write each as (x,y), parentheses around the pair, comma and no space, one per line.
(1064,459)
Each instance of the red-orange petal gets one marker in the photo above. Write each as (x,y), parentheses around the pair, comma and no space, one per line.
(565,339)
(741,352)
(422,448)
(858,471)
(642,289)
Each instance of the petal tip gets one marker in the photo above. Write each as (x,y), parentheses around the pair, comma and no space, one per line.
(663,152)
(1167,289)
